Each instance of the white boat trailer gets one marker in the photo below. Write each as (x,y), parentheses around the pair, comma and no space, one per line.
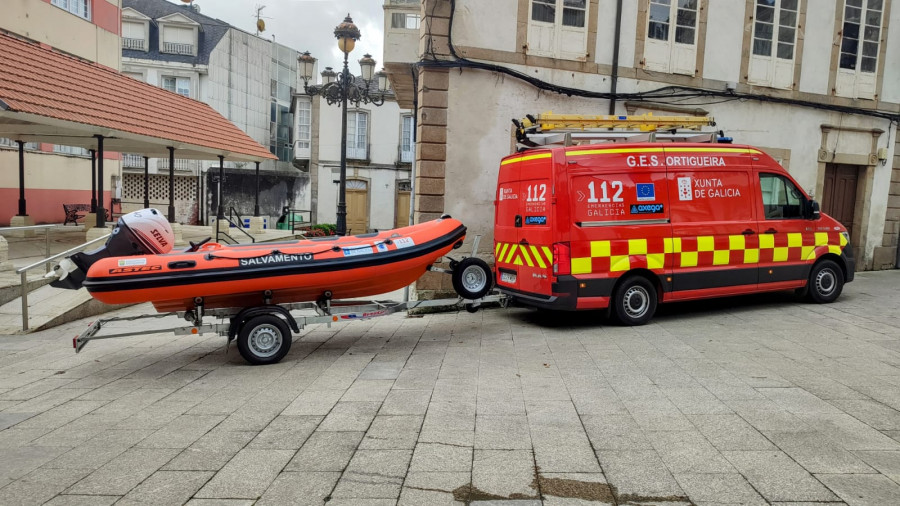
(263,332)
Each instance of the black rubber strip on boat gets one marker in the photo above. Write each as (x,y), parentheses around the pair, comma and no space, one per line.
(185,278)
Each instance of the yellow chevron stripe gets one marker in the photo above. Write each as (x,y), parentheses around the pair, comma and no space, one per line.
(512,251)
(524,251)
(548,254)
(502,252)
(537,257)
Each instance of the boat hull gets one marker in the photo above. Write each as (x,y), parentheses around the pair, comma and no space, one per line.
(295,271)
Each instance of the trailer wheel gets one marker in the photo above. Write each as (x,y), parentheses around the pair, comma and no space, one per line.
(472,278)
(826,282)
(264,339)
(634,301)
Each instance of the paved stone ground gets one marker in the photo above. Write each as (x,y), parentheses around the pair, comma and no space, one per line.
(753,400)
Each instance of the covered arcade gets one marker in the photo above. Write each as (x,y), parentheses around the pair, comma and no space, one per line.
(47,96)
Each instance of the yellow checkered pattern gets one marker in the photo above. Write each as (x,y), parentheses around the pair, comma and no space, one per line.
(640,257)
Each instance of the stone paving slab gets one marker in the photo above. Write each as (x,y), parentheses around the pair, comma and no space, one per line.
(757,400)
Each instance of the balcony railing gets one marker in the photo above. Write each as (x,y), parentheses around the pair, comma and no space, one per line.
(180,164)
(129,43)
(178,48)
(132,161)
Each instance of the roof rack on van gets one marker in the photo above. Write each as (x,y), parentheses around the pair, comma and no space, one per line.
(571,129)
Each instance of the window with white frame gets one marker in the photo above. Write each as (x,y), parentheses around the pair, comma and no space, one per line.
(860,44)
(774,42)
(178,40)
(180,85)
(671,44)
(80,8)
(134,36)
(405,21)
(558,28)
(304,128)
(406,139)
(357,134)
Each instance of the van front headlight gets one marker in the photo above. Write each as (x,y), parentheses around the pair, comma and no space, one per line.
(846,236)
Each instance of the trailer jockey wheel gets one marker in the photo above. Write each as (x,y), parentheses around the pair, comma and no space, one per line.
(264,339)
(472,278)
(634,301)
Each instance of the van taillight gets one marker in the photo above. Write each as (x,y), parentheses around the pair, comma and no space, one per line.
(562,259)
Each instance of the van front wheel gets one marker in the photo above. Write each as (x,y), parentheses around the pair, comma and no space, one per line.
(634,302)
(826,281)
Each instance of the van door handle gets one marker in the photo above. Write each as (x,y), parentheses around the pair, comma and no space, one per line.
(748,232)
(771,231)
(524,242)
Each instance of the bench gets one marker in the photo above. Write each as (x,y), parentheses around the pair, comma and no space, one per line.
(75,212)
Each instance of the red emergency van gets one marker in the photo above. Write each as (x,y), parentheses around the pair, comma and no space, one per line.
(627,226)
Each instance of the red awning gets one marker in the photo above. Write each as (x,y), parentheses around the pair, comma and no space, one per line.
(47,96)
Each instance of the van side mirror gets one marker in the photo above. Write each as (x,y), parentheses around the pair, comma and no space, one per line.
(812,210)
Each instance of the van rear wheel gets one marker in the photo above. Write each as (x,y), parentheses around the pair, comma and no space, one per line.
(826,282)
(634,301)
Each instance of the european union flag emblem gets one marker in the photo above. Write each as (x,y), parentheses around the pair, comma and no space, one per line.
(646,191)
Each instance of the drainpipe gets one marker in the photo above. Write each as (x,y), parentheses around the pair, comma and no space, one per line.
(412,166)
(615,61)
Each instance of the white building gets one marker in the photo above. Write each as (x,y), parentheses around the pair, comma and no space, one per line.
(246,78)
(379,156)
(814,83)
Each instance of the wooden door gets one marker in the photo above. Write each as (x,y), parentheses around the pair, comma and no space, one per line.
(357,211)
(402,213)
(839,194)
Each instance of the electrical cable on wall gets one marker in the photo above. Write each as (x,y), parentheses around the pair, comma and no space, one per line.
(664,95)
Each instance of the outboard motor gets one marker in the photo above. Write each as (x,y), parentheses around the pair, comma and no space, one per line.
(144,232)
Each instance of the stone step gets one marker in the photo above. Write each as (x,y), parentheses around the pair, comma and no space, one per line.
(49,307)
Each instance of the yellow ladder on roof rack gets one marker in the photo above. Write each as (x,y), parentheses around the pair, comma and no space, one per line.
(644,122)
(548,128)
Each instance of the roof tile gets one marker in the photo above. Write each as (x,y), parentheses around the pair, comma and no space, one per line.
(46,83)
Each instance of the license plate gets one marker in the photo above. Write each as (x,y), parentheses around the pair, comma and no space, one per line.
(508,277)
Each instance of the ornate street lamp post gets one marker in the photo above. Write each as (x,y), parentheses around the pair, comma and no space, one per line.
(342,88)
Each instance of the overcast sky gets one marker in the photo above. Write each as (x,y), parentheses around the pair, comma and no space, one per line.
(308,25)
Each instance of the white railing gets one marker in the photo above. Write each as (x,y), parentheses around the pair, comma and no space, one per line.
(129,43)
(132,161)
(178,48)
(180,164)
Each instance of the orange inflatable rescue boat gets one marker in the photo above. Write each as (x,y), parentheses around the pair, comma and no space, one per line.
(137,265)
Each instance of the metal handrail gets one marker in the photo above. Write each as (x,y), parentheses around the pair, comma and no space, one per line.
(239,225)
(24,273)
(46,229)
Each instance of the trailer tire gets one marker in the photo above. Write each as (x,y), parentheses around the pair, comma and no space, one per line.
(264,339)
(472,278)
(634,301)
(826,282)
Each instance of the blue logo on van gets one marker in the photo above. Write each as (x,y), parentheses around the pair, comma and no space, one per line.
(646,191)
(535,220)
(646,208)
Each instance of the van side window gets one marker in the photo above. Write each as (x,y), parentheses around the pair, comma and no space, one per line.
(781,199)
